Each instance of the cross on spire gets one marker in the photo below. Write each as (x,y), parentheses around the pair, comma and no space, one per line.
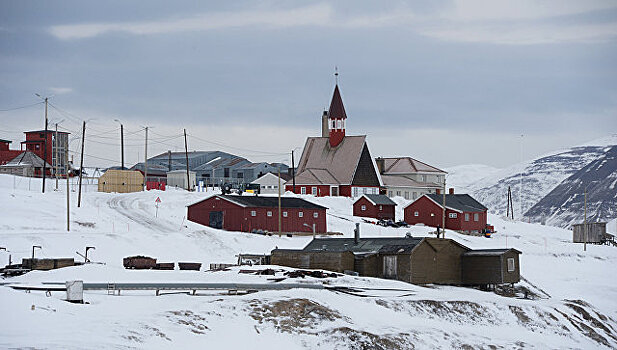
(336,74)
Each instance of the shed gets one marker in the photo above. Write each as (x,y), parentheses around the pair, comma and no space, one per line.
(491,266)
(596,232)
(253,213)
(121,181)
(177,178)
(376,206)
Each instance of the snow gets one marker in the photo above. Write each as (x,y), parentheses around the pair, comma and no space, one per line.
(119,225)
(462,176)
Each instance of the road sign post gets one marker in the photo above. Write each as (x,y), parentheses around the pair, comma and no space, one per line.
(157,201)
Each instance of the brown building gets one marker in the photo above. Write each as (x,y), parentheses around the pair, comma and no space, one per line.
(415,260)
(121,181)
(491,266)
(377,206)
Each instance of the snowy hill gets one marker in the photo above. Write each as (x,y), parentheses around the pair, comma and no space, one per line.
(461,177)
(537,177)
(573,304)
(564,205)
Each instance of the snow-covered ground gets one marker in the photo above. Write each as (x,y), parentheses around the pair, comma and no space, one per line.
(578,310)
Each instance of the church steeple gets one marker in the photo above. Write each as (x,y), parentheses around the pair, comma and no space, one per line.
(336,118)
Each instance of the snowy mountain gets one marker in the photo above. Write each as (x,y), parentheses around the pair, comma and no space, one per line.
(564,205)
(536,177)
(572,304)
(461,177)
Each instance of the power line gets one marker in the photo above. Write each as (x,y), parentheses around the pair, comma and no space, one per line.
(21,107)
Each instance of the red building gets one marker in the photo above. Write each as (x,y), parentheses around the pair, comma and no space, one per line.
(335,164)
(6,154)
(463,213)
(250,213)
(377,206)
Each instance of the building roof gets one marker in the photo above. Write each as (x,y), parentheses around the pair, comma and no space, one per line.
(322,164)
(27,159)
(180,171)
(337,110)
(43,131)
(489,252)
(407,165)
(458,202)
(364,245)
(284,177)
(5,141)
(268,202)
(403,181)
(379,199)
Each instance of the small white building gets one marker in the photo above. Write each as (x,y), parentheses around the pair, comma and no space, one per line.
(269,183)
(177,178)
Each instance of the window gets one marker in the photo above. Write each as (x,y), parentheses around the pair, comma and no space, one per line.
(253,213)
(389,193)
(452,215)
(476,217)
(225,172)
(302,190)
(398,193)
(380,208)
(338,124)
(415,213)
(333,124)
(363,208)
(270,213)
(423,178)
(315,215)
(355,192)
(284,214)
(406,194)
(314,191)
(511,266)
(415,195)
(300,214)
(466,216)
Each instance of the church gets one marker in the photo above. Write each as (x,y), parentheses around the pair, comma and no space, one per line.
(336,164)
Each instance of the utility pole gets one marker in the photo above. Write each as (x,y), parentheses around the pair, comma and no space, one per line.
(186,154)
(68,192)
(169,159)
(56,155)
(45,147)
(146,161)
(81,162)
(443,217)
(293,171)
(585,223)
(280,222)
(122,143)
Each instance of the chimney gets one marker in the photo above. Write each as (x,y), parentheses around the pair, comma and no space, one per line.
(325,132)
(380,164)
(356,234)
(451,191)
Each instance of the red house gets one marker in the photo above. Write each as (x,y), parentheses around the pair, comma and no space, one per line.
(251,213)
(335,164)
(376,206)
(463,213)
(7,154)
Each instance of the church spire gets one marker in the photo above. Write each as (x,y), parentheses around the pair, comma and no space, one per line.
(336,118)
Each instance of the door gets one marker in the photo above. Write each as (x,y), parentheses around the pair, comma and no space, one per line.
(216,219)
(334,190)
(389,266)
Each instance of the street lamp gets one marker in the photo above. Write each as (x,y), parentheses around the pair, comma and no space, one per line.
(33,247)
(121,141)
(309,226)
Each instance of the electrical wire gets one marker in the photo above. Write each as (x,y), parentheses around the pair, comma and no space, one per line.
(21,107)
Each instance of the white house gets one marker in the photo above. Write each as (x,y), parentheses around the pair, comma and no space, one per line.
(269,183)
(409,178)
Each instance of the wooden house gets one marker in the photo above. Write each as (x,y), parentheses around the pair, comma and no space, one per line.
(408,177)
(491,266)
(418,260)
(463,213)
(375,206)
(596,232)
(252,213)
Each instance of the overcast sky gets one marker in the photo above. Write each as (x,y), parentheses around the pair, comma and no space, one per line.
(447,82)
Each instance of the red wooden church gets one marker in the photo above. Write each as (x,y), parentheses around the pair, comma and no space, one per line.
(336,164)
